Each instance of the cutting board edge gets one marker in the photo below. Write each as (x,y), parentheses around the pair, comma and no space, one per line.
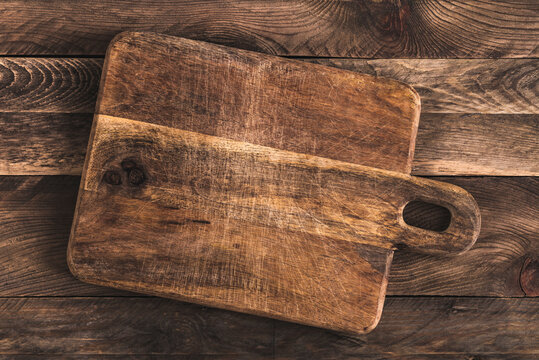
(364,329)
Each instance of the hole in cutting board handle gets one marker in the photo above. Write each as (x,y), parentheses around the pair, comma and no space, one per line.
(426,216)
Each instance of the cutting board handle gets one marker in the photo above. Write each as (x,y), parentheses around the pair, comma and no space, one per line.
(464,225)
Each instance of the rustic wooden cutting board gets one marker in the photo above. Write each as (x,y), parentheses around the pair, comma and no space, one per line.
(247,227)
(125,237)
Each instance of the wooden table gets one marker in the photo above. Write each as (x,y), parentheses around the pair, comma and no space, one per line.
(475,66)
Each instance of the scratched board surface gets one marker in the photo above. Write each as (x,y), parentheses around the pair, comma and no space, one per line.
(474,63)
(249,228)
(261,99)
(270,101)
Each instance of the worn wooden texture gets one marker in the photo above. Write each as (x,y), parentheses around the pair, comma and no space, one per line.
(447,144)
(246,227)
(40,268)
(503,262)
(383,29)
(32,256)
(260,99)
(421,328)
(415,326)
(49,84)
(218,177)
(477,144)
(36,213)
(113,326)
(43,143)
(246,96)
(486,86)
(460,85)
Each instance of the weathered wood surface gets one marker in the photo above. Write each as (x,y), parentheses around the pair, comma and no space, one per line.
(253,184)
(246,227)
(482,140)
(113,326)
(410,326)
(38,210)
(447,144)
(503,262)
(477,144)
(414,327)
(49,84)
(36,213)
(43,143)
(270,101)
(489,86)
(485,86)
(261,99)
(382,29)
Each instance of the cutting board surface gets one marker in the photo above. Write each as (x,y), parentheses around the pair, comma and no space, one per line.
(248,227)
(260,99)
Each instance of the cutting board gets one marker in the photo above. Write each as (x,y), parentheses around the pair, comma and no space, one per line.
(323,281)
(247,227)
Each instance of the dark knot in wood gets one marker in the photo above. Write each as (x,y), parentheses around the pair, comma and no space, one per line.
(112,177)
(136,176)
(128,164)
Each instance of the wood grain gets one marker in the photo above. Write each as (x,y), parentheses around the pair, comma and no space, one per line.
(217,262)
(246,227)
(261,99)
(504,257)
(483,86)
(442,148)
(49,84)
(477,144)
(32,256)
(265,100)
(447,144)
(36,213)
(382,29)
(221,178)
(43,143)
(411,328)
(113,326)
(463,86)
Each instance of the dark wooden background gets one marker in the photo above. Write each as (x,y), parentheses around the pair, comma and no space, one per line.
(475,64)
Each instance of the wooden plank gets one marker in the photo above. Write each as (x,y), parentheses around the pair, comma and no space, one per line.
(49,84)
(36,213)
(445,85)
(383,29)
(421,325)
(441,146)
(38,210)
(413,327)
(260,99)
(436,356)
(477,144)
(114,326)
(500,262)
(503,86)
(43,143)
(447,144)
